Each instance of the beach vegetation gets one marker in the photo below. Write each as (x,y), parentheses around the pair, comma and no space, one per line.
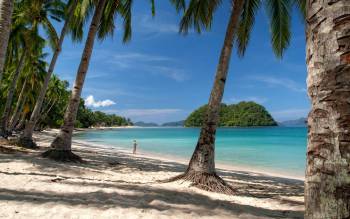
(70,22)
(243,114)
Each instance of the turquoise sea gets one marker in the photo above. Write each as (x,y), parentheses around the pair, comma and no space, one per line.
(271,149)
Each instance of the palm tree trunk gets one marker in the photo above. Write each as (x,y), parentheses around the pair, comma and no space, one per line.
(21,122)
(17,110)
(201,168)
(327,180)
(9,99)
(16,119)
(6,8)
(26,139)
(62,143)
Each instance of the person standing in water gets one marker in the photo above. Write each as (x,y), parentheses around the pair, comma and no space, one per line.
(135,146)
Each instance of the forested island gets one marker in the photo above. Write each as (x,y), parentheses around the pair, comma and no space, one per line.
(243,114)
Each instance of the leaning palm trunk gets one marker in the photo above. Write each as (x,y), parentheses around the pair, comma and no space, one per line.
(62,143)
(44,114)
(201,169)
(26,139)
(327,182)
(16,119)
(18,108)
(9,99)
(21,122)
(6,8)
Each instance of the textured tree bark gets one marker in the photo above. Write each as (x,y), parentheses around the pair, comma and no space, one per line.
(18,108)
(27,136)
(201,169)
(9,99)
(62,143)
(6,8)
(327,183)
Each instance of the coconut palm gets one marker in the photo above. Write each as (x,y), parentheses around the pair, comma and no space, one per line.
(102,25)
(24,40)
(26,139)
(32,75)
(327,180)
(199,15)
(28,17)
(6,7)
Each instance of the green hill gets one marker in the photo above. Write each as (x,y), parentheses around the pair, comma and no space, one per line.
(243,114)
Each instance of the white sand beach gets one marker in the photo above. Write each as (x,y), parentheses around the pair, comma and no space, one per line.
(116,184)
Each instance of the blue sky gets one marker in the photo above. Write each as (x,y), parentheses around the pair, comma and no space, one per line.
(162,76)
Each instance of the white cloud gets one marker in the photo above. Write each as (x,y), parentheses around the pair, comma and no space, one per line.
(146,112)
(290,114)
(173,73)
(284,82)
(153,64)
(140,57)
(260,100)
(91,102)
(156,25)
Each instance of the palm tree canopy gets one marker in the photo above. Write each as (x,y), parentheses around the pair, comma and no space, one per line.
(199,15)
(35,14)
(107,26)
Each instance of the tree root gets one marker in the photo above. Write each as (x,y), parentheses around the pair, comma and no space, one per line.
(62,156)
(207,181)
(26,143)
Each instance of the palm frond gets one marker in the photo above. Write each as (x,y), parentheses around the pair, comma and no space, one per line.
(107,26)
(153,8)
(246,24)
(279,15)
(179,4)
(82,13)
(199,15)
(51,33)
(125,11)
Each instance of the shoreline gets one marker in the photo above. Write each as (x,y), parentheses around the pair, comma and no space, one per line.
(114,183)
(183,161)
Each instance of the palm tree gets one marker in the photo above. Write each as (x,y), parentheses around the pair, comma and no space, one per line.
(35,14)
(6,7)
(7,109)
(19,106)
(102,25)
(26,139)
(327,180)
(199,14)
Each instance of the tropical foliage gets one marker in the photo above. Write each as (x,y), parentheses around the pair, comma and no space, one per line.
(242,114)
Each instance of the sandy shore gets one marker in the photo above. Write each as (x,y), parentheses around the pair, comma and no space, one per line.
(116,184)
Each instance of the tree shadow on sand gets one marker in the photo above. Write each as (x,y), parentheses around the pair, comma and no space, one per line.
(247,184)
(142,198)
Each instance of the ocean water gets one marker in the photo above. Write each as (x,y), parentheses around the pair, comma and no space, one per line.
(271,149)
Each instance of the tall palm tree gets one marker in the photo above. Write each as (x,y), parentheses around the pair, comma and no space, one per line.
(6,7)
(327,180)
(199,14)
(26,139)
(29,16)
(102,24)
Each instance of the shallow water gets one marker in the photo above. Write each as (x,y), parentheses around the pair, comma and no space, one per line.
(271,149)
